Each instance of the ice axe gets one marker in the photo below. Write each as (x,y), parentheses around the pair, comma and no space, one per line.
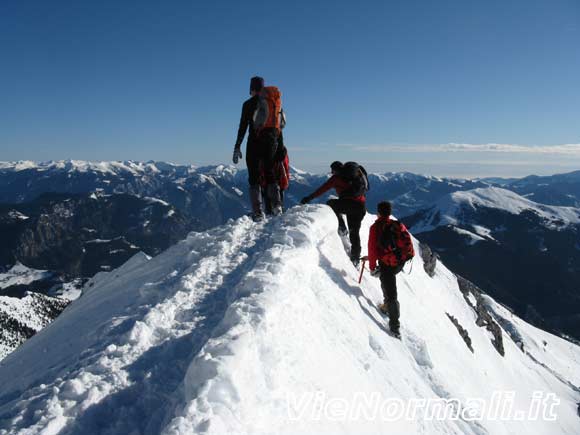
(362,269)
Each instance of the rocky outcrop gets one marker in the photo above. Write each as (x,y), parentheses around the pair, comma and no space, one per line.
(80,235)
(462,331)
(473,296)
(429,259)
(516,250)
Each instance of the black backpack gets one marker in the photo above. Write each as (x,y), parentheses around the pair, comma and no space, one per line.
(357,177)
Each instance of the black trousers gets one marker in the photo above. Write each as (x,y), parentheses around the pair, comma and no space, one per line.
(355,212)
(268,203)
(262,149)
(389,287)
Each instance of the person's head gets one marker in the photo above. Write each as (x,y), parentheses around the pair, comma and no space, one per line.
(256,85)
(385,209)
(335,167)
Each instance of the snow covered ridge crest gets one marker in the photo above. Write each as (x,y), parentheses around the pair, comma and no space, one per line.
(495,197)
(226,331)
(452,209)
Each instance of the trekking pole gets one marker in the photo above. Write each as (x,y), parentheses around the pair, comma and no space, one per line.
(362,269)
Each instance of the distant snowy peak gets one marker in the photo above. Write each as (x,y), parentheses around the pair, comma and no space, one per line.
(19,165)
(103,167)
(19,274)
(570,177)
(119,171)
(155,167)
(390,176)
(457,207)
(498,198)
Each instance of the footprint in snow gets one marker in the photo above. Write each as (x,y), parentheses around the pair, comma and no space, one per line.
(419,350)
(377,348)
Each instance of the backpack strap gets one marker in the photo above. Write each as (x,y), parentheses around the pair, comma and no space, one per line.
(388,234)
(365,177)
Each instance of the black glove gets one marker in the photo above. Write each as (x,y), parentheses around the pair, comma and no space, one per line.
(376,272)
(306,200)
(237,155)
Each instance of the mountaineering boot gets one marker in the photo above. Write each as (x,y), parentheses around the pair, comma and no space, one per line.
(256,200)
(273,192)
(355,260)
(393,309)
(393,314)
(383,308)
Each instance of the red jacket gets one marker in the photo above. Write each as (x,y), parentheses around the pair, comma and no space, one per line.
(340,185)
(388,257)
(281,172)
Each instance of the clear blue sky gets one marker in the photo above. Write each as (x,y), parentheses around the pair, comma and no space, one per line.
(388,83)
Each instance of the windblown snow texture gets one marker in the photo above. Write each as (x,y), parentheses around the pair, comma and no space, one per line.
(213,335)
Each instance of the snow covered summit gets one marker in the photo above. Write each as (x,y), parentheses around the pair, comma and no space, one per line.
(262,328)
(453,208)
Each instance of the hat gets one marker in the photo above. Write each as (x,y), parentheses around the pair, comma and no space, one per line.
(336,166)
(256,84)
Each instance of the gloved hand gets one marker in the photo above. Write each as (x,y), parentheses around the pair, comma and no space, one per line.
(376,272)
(237,155)
(306,200)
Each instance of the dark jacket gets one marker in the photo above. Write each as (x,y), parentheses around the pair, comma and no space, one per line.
(247,120)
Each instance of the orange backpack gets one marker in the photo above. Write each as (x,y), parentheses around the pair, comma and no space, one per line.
(269,112)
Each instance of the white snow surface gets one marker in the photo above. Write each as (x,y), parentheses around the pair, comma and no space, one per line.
(471,238)
(69,290)
(231,330)
(15,214)
(20,274)
(450,208)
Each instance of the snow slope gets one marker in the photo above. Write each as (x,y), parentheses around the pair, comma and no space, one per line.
(450,209)
(232,330)
(20,274)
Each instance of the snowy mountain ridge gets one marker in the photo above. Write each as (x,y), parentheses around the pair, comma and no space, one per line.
(105,167)
(233,329)
(449,209)
(21,275)
(522,253)
(219,188)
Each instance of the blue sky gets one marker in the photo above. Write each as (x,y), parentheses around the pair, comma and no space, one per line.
(449,87)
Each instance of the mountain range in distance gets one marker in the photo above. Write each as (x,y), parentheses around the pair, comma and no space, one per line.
(517,239)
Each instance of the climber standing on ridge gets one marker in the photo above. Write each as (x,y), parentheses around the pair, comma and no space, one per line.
(262,114)
(351,184)
(390,244)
